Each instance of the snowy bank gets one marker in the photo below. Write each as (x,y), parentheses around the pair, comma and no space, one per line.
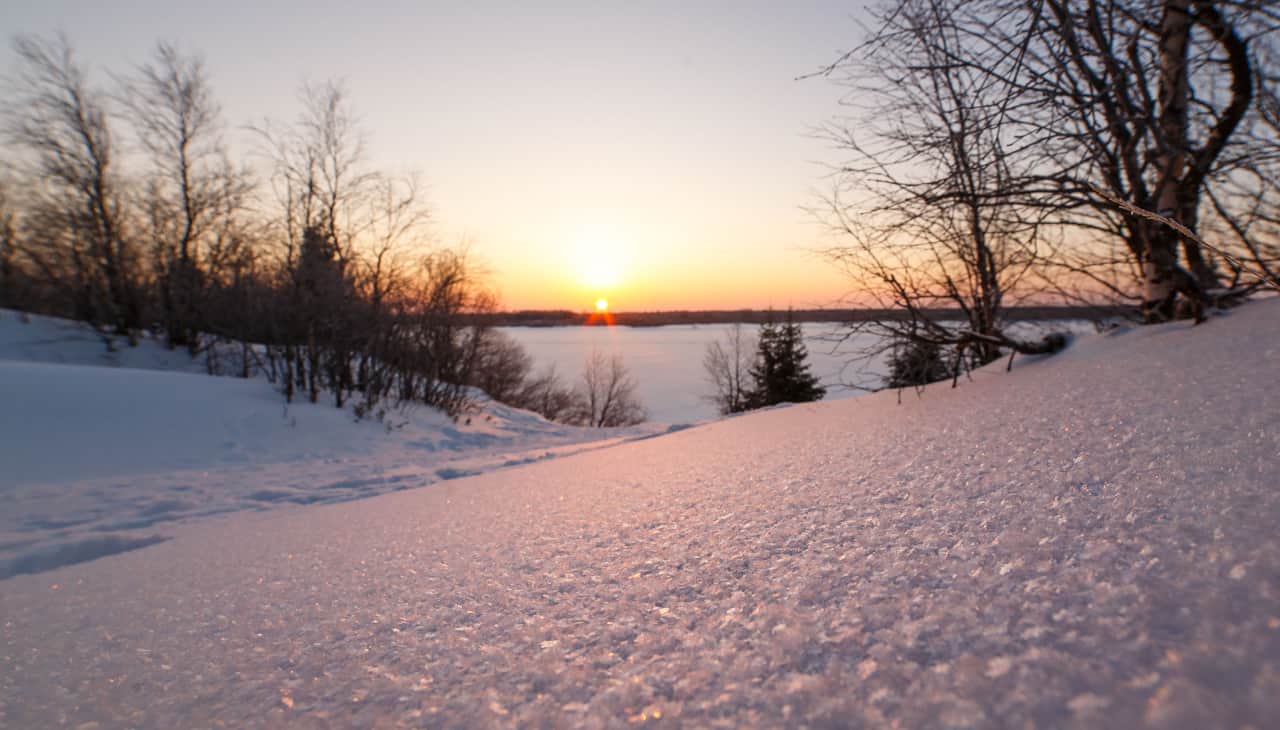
(1088,541)
(98,448)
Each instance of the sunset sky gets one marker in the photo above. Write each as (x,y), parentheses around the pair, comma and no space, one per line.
(656,154)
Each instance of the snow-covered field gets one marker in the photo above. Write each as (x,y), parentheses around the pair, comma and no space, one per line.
(98,449)
(1092,540)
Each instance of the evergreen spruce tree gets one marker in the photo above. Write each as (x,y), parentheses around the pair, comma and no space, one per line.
(914,363)
(765,365)
(781,371)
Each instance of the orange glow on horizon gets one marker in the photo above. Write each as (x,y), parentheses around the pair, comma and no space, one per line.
(656,265)
(598,318)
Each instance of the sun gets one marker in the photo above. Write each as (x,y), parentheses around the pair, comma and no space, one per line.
(602,305)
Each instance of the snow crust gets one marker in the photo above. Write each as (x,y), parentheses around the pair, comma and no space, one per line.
(1089,541)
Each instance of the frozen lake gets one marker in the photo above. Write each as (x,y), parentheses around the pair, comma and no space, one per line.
(666,362)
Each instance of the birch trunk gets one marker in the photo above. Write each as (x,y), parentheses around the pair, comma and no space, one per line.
(1163,277)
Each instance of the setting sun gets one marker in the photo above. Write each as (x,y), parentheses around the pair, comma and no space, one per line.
(602,305)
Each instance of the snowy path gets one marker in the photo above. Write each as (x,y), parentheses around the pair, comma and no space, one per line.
(1063,546)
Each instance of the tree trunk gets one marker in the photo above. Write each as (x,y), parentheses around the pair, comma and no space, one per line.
(1163,278)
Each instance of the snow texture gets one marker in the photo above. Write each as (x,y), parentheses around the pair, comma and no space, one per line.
(1089,541)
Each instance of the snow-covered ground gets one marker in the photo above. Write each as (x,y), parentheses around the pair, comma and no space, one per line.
(98,448)
(1092,540)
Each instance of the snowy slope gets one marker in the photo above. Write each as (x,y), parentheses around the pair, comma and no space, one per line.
(1089,541)
(33,338)
(98,448)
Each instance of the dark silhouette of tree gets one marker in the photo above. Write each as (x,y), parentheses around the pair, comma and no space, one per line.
(781,369)
(606,394)
(501,368)
(10,273)
(727,364)
(1097,136)
(77,205)
(925,205)
(337,290)
(192,195)
(916,362)
(547,395)
(322,315)
(1153,106)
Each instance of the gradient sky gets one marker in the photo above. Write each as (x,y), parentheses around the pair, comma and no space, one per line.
(669,138)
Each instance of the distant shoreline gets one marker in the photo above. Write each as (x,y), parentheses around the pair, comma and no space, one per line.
(565,318)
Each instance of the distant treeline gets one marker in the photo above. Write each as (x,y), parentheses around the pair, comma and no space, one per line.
(565,318)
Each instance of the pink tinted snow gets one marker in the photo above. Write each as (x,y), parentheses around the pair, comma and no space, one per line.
(1088,541)
(103,451)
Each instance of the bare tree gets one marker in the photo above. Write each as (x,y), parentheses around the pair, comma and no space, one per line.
(322,187)
(1082,142)
(606,394)
(727,363)
(351,300)
(926,206)
(193,194)
(318,173)
(76,206)
(1131,107)
(449,343)
(384,273)
(372,308)
(395,232)
(1158,93)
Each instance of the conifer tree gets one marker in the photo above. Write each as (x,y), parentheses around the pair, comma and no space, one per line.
(781,371)
(914,363)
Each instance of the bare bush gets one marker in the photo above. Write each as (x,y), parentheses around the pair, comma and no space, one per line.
(605,395)
(547,395)
(501,367)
